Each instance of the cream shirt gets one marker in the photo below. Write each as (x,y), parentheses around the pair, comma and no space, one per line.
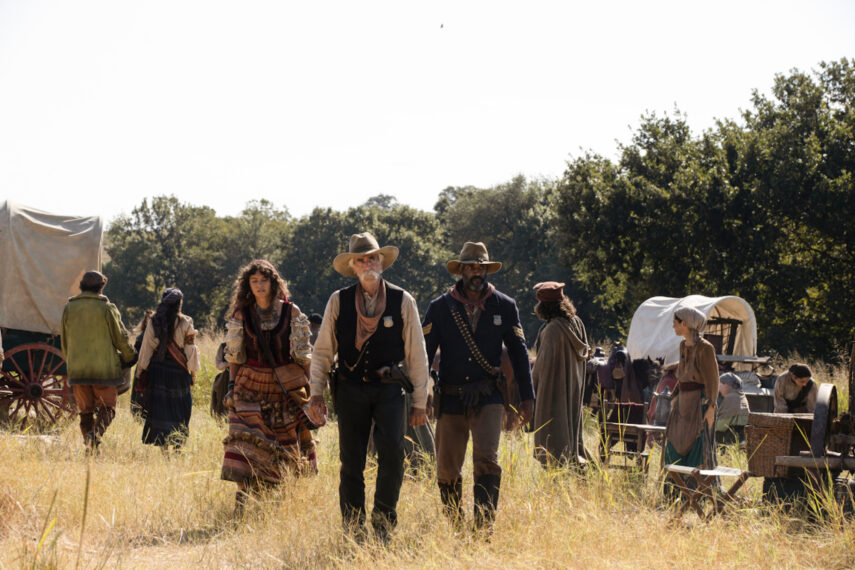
(150,343)
(787,389)
(326,348)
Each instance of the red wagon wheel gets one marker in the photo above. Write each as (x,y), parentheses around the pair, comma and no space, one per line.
(32,389)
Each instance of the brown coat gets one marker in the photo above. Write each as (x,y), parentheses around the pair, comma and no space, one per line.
(559,380)
(697,364)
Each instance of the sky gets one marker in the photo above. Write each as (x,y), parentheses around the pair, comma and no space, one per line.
(328,103)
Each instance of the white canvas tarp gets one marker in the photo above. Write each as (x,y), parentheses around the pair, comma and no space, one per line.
(42,258)
(651,331)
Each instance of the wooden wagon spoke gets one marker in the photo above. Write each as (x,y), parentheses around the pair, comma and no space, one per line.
(39,375)
(47,410)
(52,372)
(20,372)
(53,381)
(14,384)
(18,389)
(18,407)
(54,404)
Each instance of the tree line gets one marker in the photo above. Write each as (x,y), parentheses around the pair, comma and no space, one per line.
(761,206)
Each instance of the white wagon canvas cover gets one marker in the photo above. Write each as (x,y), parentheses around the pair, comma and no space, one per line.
(42,258)
(651,332)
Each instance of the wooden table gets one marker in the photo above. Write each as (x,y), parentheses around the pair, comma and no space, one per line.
(634,434)
(707,486)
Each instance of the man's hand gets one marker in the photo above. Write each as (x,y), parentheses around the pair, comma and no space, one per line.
(418,417)
(429,408)
(317,410)
(526,411)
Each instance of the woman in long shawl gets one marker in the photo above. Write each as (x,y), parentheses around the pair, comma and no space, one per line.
(268,351)
(170,359)
(689,435)
(559,377)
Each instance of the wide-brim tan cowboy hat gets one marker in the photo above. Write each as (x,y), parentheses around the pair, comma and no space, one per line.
(472,252)
(363,244)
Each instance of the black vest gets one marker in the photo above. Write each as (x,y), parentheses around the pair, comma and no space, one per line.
(384,348)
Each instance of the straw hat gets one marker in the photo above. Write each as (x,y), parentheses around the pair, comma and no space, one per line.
(363,244)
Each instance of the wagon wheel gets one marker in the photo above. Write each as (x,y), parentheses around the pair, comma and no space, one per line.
(823,414)
(32,391)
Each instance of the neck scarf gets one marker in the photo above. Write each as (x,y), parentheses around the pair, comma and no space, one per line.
(365,326)
(473,308)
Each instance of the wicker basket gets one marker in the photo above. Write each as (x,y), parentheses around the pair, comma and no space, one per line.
(768,436)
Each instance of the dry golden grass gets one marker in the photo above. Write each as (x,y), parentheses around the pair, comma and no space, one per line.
(144,509)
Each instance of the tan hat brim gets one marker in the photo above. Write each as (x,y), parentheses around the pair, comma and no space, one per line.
(341,263)
(455,266)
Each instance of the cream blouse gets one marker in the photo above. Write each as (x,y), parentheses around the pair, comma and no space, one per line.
(183,327)
(301,348)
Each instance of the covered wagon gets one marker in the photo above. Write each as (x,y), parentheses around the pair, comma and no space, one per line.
(42,258)
(731,328)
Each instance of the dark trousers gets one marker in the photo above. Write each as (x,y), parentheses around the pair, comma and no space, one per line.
(357,404)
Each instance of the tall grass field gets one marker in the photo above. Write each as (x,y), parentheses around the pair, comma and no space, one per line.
(136,507)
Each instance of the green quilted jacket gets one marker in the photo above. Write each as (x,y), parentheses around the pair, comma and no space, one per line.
(94,341)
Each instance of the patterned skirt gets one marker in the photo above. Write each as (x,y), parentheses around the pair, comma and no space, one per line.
(265,439)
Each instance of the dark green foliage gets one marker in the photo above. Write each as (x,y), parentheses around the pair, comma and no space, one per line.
(762,210)
(762,207)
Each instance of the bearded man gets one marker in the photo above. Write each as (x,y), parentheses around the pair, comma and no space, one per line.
(469,324)
(372,329)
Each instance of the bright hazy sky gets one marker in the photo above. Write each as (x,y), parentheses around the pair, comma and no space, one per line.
(328,103)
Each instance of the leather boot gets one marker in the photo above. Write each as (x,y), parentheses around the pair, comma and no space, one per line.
(87,422)
(451,495)
(384,523)
(104,419)
(486,495)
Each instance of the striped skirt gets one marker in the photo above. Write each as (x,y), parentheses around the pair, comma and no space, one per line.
(168,404)
(265,439)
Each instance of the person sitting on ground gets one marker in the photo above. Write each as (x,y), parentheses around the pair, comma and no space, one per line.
(733,409)
(795,391)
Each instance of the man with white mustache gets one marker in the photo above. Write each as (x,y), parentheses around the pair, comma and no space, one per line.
(370,328)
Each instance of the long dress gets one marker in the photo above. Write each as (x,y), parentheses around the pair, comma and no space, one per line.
(168,401)
(689,440)
(559,381)
(267,437)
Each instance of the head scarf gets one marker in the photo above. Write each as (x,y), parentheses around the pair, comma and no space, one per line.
(694,319)
(731,380)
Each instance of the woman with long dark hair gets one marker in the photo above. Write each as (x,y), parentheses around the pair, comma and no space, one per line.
(169,358)
(559,378)
(268,351)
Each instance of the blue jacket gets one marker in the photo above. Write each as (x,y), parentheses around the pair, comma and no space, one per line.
(499,323)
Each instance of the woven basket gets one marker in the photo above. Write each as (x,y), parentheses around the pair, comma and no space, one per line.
(768,436)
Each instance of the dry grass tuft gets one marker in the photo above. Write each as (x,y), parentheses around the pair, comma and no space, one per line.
(148,509)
